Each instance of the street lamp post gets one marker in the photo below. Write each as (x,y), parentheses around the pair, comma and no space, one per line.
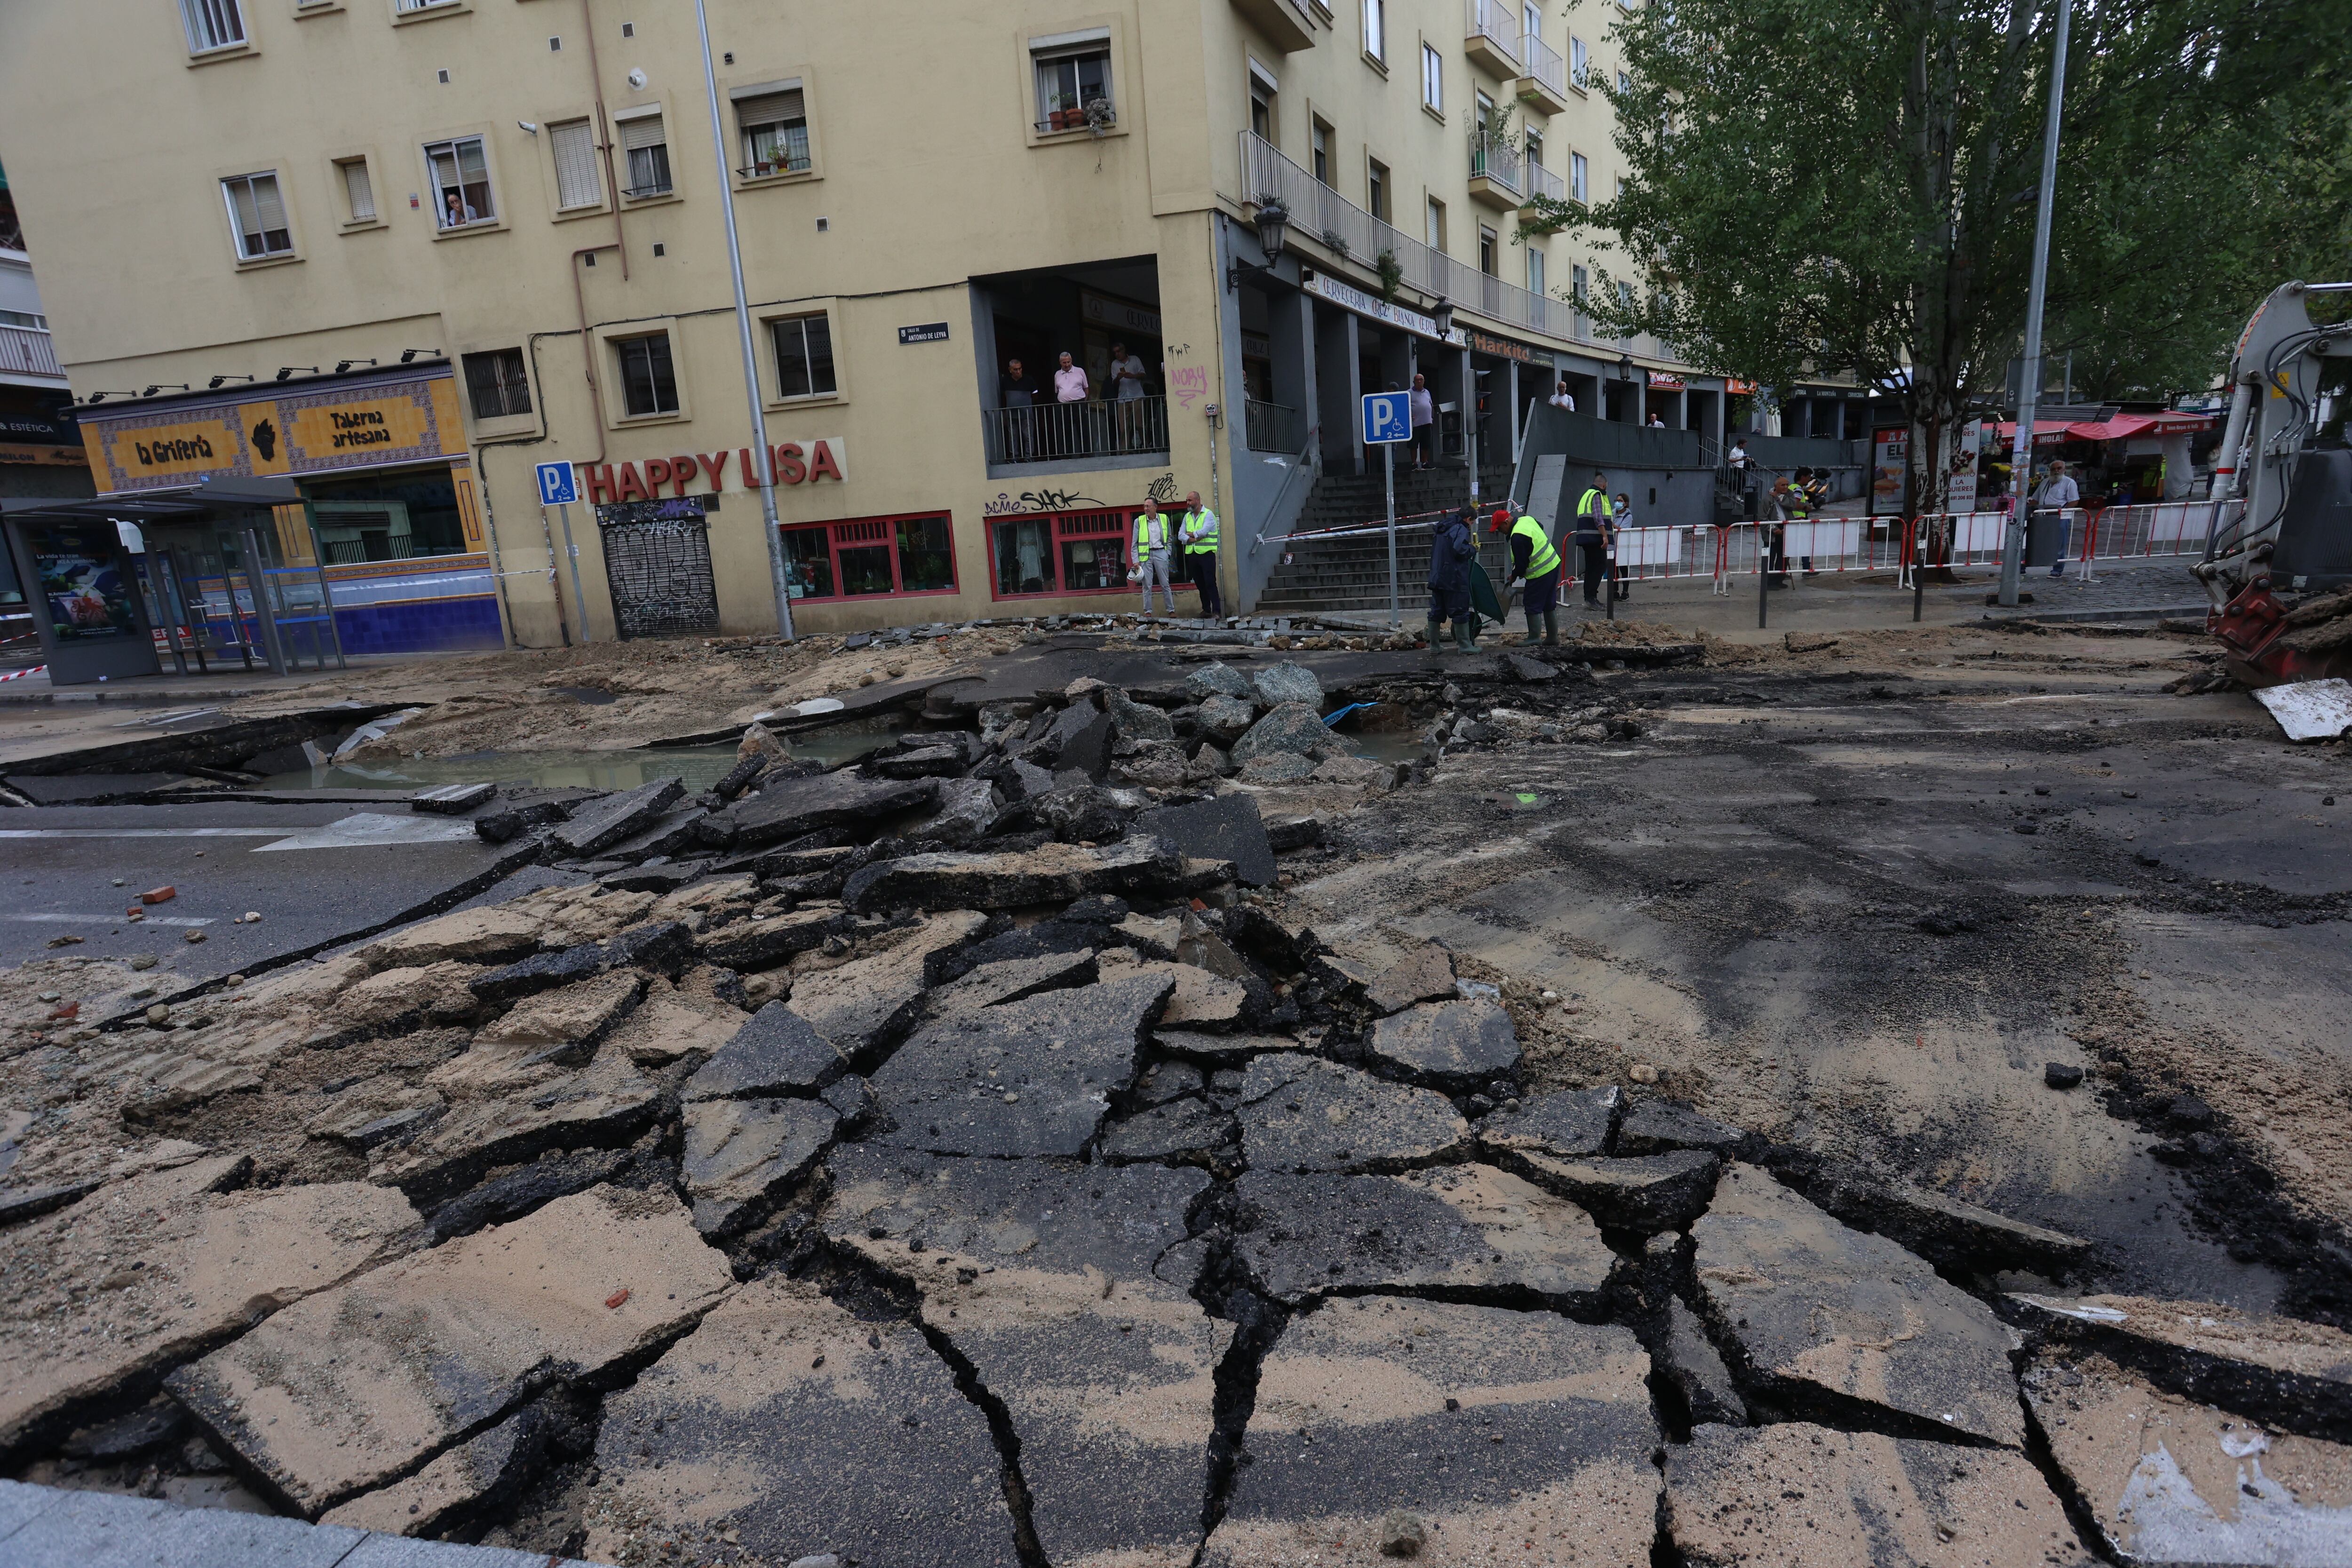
(2020,460)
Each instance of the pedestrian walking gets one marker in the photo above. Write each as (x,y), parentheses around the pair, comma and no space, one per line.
(1593,536)
(1155,542)
(1196,532)
(1070,390)
(1450,554)
(1424,419)
(1016,394)
(2057,493)
(1536,563)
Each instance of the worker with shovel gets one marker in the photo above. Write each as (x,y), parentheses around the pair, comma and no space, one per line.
(1536,568)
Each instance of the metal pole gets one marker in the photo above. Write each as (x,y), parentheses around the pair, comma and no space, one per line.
(1763,576)
(1918,581)
(327,595)
(2021,461)
(265,624)
(1388,455)
(766,458)
(572,552)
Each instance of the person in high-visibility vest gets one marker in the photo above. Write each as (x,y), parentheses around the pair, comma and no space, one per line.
(1593,529)
(1198,530)
(1535,562)
(1154,540)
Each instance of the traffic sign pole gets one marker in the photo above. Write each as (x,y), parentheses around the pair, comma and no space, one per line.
(1388,457)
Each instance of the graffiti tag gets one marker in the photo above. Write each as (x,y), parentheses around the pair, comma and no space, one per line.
(1163,488)
(1009,505)
(1187,381)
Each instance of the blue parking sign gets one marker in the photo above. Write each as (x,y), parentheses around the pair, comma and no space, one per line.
(556,484)
(1388,418)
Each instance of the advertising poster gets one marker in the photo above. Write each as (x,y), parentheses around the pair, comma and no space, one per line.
(88,597)
(1890,454)
(1961,484)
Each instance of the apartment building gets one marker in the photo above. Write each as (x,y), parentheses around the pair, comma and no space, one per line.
(404,252)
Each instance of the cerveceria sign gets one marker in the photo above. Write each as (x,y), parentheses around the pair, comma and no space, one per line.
(174,449)
(796,463)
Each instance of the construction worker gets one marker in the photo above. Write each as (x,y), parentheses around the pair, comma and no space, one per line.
(1154,542)
(1451,555)
(1815,483)
(1197,530)
(1789,505)
(1592,532)
(1535,562)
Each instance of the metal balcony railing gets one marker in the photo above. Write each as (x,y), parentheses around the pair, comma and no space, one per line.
(29,351)
(1272,426)
(1543,182)
(1544,64)
(1499,162)
(1057,432)
(1499,25)
(1315,209)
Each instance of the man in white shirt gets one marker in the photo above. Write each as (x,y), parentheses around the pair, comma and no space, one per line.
(1155,541)
(1126,375)
(1070,391)
(1424,419)
(1561,398)
(1658,422)
(2057,493)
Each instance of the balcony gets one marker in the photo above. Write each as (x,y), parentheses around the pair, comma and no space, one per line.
(1284,23)
(1492,38)
(1497,175)
(1543,83)
(29,351)
(1110,434)
(1543,182)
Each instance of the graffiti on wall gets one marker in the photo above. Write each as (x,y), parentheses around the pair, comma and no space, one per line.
(1007,504)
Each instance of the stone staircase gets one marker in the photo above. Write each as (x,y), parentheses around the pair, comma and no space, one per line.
(1335,574)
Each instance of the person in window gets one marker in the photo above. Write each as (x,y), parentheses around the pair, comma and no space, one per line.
(1424,419)
(1126,375)
(455,214)
(1018,394)
(1563,398)
(1658,421)
(1070,390)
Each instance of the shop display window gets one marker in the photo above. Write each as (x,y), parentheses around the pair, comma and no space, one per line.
(868,557)
(1061,553)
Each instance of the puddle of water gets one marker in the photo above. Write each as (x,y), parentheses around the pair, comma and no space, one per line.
(1384,746)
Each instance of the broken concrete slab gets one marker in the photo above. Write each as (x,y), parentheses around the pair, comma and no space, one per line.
(968,809)
(1076,737)
(777,1051)
(757,944)
(674,1021)
(741,1155)
(1031,1078)
(2172,1482)
(919,763)
(1229,1049)
(1227,719)
(1275,684)
(1817,1310)
(671,832)
(1567,1125)
(464,1480)
(1134,721)
(1456,1228)
(493,934)
(1445,1434)
(1461,1044)
(1795,1493)
(565,1024)
(1217,678)
(863,1005)
(608,1102)
(1013,979)
(1042,1277)
(665,947)
(772,1392)
(179,1266)
(2290,1373)
(1690,1362)
(1199,999)
(1187,1129)
(1945,1231)
(1226,828)
(1425,975)
(355,1385)
(1279,768)
(1302,1114)
(603,822)
(1292,728)
(1049,874)
(793,807)
(1654,1126)
(1645,1192)
(555,1173)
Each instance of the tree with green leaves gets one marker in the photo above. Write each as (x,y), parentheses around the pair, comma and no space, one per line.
(1847,187)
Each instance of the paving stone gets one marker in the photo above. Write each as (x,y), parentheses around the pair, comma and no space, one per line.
(1221,1048)
(1012,979)
(791,808)
(968,809)
(1218,678)
(1030,1077)
(1945,1231)
(806,1432)
(750,945)
(2294,1374)
(350,1387)
(1294,729)
(1566,1124)
(1186,1128)
(1224,828)
(663,948)
(863,1005)
(1457,1227)
(607,1102)
(1645,1193)
(604,822)
(2172,1482)
(1226,717)
(179,1266)
(1823,1309)
(1302,1114)
(1654,1126)
(1795,1494)
(1689,1360)
(741,1155)
(1426,974)
(1049,874)
(776,1052)
(1457,1043)
(494,933)
(1042,1277)
(1483,1436)
(485,1469)
(1275,684)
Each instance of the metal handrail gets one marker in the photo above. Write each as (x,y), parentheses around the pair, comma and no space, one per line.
(1090,427)
(29,351)
(1304,464)
(1543,182)
(1494,23)
(1544,64)
(1499,162)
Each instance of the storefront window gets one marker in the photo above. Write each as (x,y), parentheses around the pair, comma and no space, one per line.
(387,517)
(808,564)
(926,555)
(864,557)
(1061,552)
(1024,555)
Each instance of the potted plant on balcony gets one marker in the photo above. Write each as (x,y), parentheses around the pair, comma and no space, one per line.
(1099,116)
(1057,116)
(1391,273)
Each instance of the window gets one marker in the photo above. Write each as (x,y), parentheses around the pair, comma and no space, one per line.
(648,145)
(1262,119)
(211,25)
(1534,146)
(804,356)
(1535,270)
(1433,80)
(258,214)
(1625,82)
(1376,189)
(1436,235)
(1580,62)
(499,386)
(1072,73)
(1580,175)
(1061,553)
(574,146)
(872,555)
(1531,20)
(358,192)
(1376,29)
(1489,247)
(461,183)
(1322,151)
(406,6)
(1578,286)
(648,384)
(774,126)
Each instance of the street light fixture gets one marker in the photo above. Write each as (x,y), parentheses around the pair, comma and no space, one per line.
(1272,224)
(165,386)
(1441,314)
(216,382)
(286,372)
(408,354)
(1626,367)
(343,365)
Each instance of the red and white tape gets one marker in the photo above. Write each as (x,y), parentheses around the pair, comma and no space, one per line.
(20,674)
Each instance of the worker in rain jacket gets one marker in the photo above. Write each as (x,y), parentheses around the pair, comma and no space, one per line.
(1535,562)
(1451,555)
(1198,530)
(1593,530)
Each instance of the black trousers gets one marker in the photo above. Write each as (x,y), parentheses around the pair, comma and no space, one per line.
(1595,559)
(1202,565)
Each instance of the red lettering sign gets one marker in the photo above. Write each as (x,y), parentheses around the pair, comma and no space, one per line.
(631,487)
(714,467)
(600,484)
(821,463)
(681,472)
(657,476)
(789,469)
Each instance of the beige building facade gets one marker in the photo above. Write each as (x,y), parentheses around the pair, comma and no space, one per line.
(519,201)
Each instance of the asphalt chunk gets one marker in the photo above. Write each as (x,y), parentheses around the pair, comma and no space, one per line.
(1565,1125)
(1454,1043)
(741,1155)
(1302,1114)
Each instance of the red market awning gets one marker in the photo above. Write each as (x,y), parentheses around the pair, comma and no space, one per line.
(2123,427)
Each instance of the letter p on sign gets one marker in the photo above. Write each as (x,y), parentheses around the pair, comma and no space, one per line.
(556,484)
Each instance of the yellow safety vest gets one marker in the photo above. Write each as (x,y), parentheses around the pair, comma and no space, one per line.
(1541,557)
(1205,542)
(1799,503)
(1143,522)
(1585,507)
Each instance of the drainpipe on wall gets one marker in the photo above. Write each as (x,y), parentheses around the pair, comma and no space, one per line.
(604,146)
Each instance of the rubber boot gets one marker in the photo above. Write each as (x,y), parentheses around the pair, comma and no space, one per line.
(1551,629)
(1534,619)
(1436,647)
(1466,633)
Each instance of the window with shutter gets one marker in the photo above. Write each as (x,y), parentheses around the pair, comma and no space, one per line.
(775,127)
(358,193)
(497,381)
(257,214)
(212,24)
(461,183)
(575,146)
(648,151)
